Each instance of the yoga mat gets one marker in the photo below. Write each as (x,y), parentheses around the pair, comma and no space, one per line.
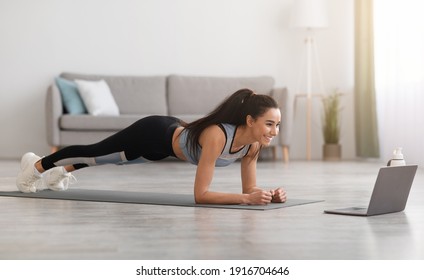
(146,198)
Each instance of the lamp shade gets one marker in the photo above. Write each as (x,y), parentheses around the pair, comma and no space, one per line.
(309,14)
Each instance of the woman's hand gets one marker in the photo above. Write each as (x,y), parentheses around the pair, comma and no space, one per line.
(278,195)
(259,197)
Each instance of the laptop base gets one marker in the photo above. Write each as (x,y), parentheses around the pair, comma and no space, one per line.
(351,211)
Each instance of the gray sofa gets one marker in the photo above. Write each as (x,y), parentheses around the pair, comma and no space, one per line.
(185,97)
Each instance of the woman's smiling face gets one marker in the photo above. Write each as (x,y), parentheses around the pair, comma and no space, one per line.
(266,126)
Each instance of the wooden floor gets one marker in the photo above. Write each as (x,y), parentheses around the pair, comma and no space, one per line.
(55,229)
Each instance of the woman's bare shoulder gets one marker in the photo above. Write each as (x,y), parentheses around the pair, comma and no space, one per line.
(213,134)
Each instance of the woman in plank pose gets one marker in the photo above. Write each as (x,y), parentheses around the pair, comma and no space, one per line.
(237,128)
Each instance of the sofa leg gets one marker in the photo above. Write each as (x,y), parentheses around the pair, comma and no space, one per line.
(274,153)
(286,154)
(54,149)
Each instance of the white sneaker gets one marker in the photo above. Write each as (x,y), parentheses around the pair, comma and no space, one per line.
(29,179)
(58,179)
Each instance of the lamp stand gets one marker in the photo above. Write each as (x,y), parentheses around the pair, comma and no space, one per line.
(311,56)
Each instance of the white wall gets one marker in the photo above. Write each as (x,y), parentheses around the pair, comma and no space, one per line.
(40,39)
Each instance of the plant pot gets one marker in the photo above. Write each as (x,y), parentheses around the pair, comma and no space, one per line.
(332,152)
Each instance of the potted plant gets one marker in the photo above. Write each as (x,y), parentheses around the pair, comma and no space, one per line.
(332,149)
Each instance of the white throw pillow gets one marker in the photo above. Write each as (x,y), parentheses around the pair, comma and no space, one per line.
(97,98)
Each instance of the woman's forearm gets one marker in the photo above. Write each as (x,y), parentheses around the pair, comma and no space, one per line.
(221,198)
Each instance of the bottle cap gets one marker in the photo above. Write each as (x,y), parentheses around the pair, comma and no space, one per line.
(397,153)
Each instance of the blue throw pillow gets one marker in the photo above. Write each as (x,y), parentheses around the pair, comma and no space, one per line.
(70,96)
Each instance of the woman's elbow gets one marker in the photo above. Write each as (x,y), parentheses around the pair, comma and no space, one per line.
(200,199)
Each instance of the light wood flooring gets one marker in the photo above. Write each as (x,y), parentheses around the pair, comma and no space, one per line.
(57,229)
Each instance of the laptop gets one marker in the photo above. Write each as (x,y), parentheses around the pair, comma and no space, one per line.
(390,194)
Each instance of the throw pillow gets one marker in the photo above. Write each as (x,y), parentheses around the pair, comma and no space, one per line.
(70,96)
(97,98)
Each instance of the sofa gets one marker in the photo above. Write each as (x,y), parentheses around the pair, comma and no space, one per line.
(185,97)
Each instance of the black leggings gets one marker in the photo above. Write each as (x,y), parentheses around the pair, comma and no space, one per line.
(147,139)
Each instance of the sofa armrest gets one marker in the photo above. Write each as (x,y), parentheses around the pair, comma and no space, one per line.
(54,109)
(281,95)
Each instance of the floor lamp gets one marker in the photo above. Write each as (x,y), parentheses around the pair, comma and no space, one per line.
(309,15)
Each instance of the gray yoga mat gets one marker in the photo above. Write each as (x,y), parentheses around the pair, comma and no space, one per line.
(146,198)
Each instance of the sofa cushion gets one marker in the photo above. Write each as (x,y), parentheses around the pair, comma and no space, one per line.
(70,96)
(200,95)
(133,94)
(97,123)
(97,98)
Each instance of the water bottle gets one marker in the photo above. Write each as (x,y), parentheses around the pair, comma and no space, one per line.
(397,159)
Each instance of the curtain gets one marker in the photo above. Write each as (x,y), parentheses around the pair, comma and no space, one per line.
(399,76)
(367,143)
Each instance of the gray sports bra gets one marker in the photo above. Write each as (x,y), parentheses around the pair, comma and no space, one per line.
(226,158)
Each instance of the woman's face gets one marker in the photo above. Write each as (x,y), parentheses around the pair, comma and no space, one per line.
(266,126)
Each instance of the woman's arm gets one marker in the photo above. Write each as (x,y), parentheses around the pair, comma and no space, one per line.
(248,175)
(212,141)
(248,170)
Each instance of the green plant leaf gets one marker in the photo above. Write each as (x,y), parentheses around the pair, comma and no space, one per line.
(331,118)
